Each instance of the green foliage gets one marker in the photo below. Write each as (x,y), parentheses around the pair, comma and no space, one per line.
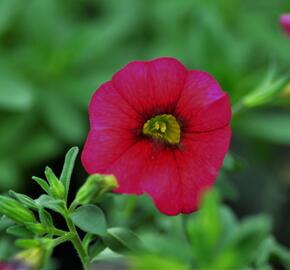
(90,219)
(68,166)
(122,240)
(217,241)
(39,236)
(54,54)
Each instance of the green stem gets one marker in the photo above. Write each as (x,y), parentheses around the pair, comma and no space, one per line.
(73,206)
(66,237)
(184,227)
(58,232)
(77,242)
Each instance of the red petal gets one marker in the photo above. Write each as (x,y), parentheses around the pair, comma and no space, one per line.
(109,110)
(202,105)
(199,159)
(103,147)
(151,87)
(162,182)
(131,167)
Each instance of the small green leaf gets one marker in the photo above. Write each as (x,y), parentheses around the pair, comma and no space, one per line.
(36,228)
(68,166)
(45,218)
(96,249)
(24,199)
(90,219)
(122,240)
(51,203)
(5,222)
(42,183)
(56,186)
(19,231)
(27,243)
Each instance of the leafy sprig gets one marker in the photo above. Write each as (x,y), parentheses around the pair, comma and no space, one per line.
(32,220)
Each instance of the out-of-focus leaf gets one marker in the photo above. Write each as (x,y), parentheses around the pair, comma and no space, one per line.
(5,222)
(15,93)
(27,243)
(144,262)
(205,230)
(122,240)
(19,231)
(167,243)
(244,245)
(40,146)
(226,187)
(271,127)
(10,174)
(8,10)
(63,118)
(96,249)
(90,219)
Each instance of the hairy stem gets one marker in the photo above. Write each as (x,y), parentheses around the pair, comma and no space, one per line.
(76,241)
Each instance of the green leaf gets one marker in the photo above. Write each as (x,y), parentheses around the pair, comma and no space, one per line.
(24,199)
(10,173)
(244,244)
(90,219)
(56,186)
(27,243)
(122,240)
(96,249)
(45,218)
(65,119)
(19,231)
(15,93)
(5,222)
(270,126)
(51,203)
(42,183)
(205,230)
(68,167)
(9,9)
(145,262)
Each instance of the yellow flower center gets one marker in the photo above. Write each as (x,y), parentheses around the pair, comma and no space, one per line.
(164,127)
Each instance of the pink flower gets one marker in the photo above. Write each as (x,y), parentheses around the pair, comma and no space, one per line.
(160,129)
(285,22)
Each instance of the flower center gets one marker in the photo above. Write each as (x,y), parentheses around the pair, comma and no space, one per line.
(164,127)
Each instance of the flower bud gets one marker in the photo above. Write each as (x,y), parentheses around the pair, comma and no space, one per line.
(36,228)
(32,257)
(56,186)
(15,211)
(94,187)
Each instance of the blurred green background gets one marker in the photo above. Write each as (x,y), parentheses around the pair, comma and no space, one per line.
(55,53)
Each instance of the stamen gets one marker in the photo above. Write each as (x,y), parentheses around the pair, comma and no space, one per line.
(163,127)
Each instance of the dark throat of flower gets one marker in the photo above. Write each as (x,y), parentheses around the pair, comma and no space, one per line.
(164,127)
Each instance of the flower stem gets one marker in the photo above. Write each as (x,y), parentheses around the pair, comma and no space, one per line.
(76,241)
(66,237)
(184,219)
